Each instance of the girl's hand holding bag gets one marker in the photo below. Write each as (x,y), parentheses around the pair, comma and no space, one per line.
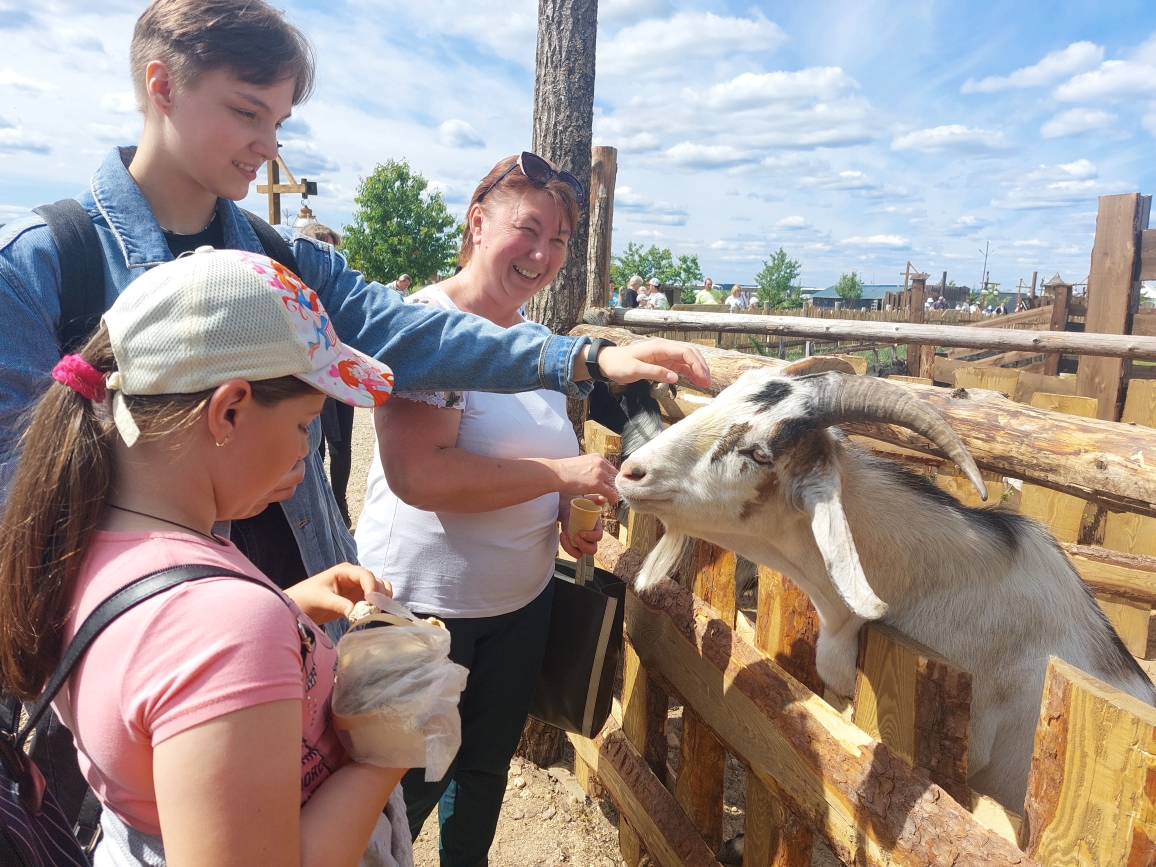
(395,701)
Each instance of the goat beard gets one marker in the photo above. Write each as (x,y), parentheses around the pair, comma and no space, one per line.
(663,561)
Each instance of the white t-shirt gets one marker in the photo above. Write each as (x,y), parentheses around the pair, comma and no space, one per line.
(485,563)
(735,303)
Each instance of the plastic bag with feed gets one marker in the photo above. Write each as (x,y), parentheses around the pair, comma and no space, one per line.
(395,701)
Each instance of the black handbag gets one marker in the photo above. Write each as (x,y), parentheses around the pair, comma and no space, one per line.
(33,829)
(574,690)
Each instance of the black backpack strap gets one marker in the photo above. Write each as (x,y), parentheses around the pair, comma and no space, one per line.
(128,596)
(272,243)
(81,271)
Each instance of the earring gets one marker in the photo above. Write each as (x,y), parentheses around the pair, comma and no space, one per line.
(225,441)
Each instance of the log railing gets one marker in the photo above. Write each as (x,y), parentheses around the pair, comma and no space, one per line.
(886,784)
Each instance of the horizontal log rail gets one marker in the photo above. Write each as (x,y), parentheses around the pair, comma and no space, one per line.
(1110,463)
(1072,343)
(872,807)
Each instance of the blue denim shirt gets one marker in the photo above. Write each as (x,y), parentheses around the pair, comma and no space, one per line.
(428,349)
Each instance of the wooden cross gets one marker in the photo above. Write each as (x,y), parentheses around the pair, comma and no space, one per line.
(275,188)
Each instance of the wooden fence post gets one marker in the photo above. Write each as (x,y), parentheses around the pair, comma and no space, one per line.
(786,629)
(644,704)
(915,314)
(916,702)
(600,439)
(1090,788)
(603,172)
(1061,298)
(1113,294)
(702,758)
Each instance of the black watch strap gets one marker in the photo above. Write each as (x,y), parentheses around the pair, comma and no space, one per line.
(596,346)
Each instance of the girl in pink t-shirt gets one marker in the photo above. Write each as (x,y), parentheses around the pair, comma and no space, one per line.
(202,715)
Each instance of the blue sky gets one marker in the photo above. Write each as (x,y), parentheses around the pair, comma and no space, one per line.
(857,135)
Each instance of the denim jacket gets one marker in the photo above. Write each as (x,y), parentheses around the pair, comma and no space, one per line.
(428,349)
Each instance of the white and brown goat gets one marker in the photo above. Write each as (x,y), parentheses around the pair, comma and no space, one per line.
(765,471)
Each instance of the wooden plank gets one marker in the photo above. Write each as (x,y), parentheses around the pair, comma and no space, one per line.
(644,707)
(923,380)
(915,311)
(1091,786)
(786,629)
(1134,534)
(1032,383)
(872,808)
(1083,457)
(603,172)
(1147,255)
(916,702)
(1003,380)
(885,333)
(644,704)
(1060,513)
(702,759)
(1061,299)
(601,440)
(1125,588)
(1112,293)
(856,361)
(647,806)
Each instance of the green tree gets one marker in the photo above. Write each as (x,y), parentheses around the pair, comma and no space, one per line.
(399,227)
(849,287)
(777,282)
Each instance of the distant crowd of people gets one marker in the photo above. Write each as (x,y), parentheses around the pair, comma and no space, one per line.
(649,295)
(1001,309)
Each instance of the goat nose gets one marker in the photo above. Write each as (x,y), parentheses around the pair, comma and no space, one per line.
(634,471)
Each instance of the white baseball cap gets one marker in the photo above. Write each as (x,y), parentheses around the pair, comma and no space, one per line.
(196,322)
(653,281)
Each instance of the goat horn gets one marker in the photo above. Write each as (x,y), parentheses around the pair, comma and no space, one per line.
(838,398)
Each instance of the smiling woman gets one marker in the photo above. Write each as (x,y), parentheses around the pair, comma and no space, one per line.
(465,495)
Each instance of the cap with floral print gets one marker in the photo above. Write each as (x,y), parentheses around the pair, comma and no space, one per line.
(196,322)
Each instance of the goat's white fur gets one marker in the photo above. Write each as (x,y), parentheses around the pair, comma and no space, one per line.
(997,605)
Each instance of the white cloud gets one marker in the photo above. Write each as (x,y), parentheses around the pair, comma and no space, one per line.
(305,159)
(13,80)
(623,12)
(1077,120)
(793,222)
(736,121)
(1058,186)
(951,137)
(643,142)
(641,209)
(1114,80)
(895,242)
(1077,57)
(659,46)
(15,139)
(119,103)
(844,180)
(456,133)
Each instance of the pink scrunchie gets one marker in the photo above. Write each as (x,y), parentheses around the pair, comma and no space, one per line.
(80,376)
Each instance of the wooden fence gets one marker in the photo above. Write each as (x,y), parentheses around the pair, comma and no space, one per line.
(885,781)
(1123,254)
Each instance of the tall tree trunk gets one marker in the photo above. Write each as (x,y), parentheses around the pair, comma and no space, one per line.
(563,129)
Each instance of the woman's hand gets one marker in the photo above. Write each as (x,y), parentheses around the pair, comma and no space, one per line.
(659,359)
(586,475)
(587,539)
(331,594)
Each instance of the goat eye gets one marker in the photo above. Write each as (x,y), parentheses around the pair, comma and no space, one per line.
(759,456)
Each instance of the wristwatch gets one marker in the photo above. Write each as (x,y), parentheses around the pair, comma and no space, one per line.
(596,346)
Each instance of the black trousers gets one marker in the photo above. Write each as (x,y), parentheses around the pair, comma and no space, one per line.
(504,656)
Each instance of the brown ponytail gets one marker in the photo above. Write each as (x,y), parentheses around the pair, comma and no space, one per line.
(57,497)
(56,500)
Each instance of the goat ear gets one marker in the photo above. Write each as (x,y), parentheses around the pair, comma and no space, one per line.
(817,364)
(824,503)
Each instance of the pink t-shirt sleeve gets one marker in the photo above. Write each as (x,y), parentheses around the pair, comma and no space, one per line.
(212,647)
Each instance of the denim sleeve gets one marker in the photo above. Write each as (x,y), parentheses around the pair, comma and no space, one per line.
(436,350)
(28,351)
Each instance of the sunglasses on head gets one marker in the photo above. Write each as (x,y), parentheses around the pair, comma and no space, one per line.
(539,172)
